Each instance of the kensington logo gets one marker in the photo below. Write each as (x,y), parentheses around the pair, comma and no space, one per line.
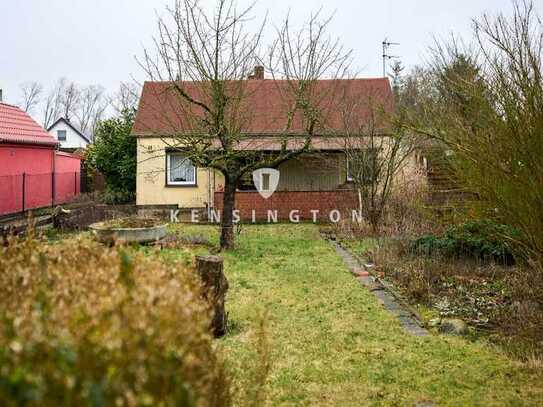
(266,181)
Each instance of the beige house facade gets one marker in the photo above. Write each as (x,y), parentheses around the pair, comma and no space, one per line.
(316,180)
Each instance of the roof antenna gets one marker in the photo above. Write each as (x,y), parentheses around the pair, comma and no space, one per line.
(386,45)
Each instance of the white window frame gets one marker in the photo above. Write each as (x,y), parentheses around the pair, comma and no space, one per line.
(168,173)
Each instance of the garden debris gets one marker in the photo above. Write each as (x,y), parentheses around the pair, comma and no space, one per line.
(453,327)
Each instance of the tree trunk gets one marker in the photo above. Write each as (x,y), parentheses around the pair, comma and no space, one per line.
(214,287)
(227,224)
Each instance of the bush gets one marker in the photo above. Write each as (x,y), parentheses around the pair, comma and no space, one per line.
(81,324)
(113,153)
(482,239)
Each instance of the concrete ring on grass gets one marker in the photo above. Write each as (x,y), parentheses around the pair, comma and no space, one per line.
(108,232)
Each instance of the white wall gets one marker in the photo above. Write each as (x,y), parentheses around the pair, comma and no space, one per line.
(73,140)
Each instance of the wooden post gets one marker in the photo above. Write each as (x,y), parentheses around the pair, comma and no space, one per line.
(215,285)
(53,186)
(24,191)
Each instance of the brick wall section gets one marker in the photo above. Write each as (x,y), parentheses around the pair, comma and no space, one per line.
(285,201)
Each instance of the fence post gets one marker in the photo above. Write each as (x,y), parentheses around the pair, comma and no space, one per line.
(24,190)
(75,184)
(53,188)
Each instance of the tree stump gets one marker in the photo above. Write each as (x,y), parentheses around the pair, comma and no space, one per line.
(214,287)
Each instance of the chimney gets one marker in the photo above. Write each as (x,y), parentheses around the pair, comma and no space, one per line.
(0,95)
(258,73)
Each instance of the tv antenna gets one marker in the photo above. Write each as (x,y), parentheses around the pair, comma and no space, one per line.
(386,45)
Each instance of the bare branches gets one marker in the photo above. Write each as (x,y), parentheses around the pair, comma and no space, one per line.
(192,46)
(90,106)
(374,159)
(52,109)
(84,106)
(308,54)
(126,98)
(301,58)
(486,104)
(31,95)
(69,99)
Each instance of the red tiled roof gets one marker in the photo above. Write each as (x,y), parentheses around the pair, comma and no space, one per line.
(264,108)
(16,126)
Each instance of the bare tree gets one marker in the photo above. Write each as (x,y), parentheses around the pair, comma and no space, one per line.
(62,101)
(31,95)
(52,108)
(90,106)
(69,100)
(126,98)
(376,152)
(83,105)
(207,60)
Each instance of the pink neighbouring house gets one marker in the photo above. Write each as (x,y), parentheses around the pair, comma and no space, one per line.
(33,174)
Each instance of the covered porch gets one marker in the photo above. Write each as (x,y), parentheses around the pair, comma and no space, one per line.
(310,188)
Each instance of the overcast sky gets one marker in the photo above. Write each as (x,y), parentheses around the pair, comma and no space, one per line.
(95,42)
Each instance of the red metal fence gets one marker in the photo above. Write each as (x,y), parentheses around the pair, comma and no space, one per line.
(22,192)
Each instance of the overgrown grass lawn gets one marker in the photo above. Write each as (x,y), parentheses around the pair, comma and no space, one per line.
(330,341)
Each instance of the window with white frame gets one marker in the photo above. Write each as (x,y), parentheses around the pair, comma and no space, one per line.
(61,135)
(179,170)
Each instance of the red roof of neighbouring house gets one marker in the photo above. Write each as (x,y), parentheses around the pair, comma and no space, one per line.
(16,126)
(265,105)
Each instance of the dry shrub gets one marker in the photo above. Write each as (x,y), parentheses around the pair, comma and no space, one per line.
(525,319)
(82,324)
(499,299)
(346,229)
(406,212)
(412,277)
(473,290)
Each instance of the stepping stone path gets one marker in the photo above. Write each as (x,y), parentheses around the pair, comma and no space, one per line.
(379,291)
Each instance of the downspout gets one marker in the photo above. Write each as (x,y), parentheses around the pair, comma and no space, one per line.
(209,200)
(210,191)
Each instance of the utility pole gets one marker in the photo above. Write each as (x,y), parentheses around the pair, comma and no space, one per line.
(386,45)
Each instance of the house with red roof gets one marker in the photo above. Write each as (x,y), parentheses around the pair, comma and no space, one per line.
(33,174)
(316,181)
